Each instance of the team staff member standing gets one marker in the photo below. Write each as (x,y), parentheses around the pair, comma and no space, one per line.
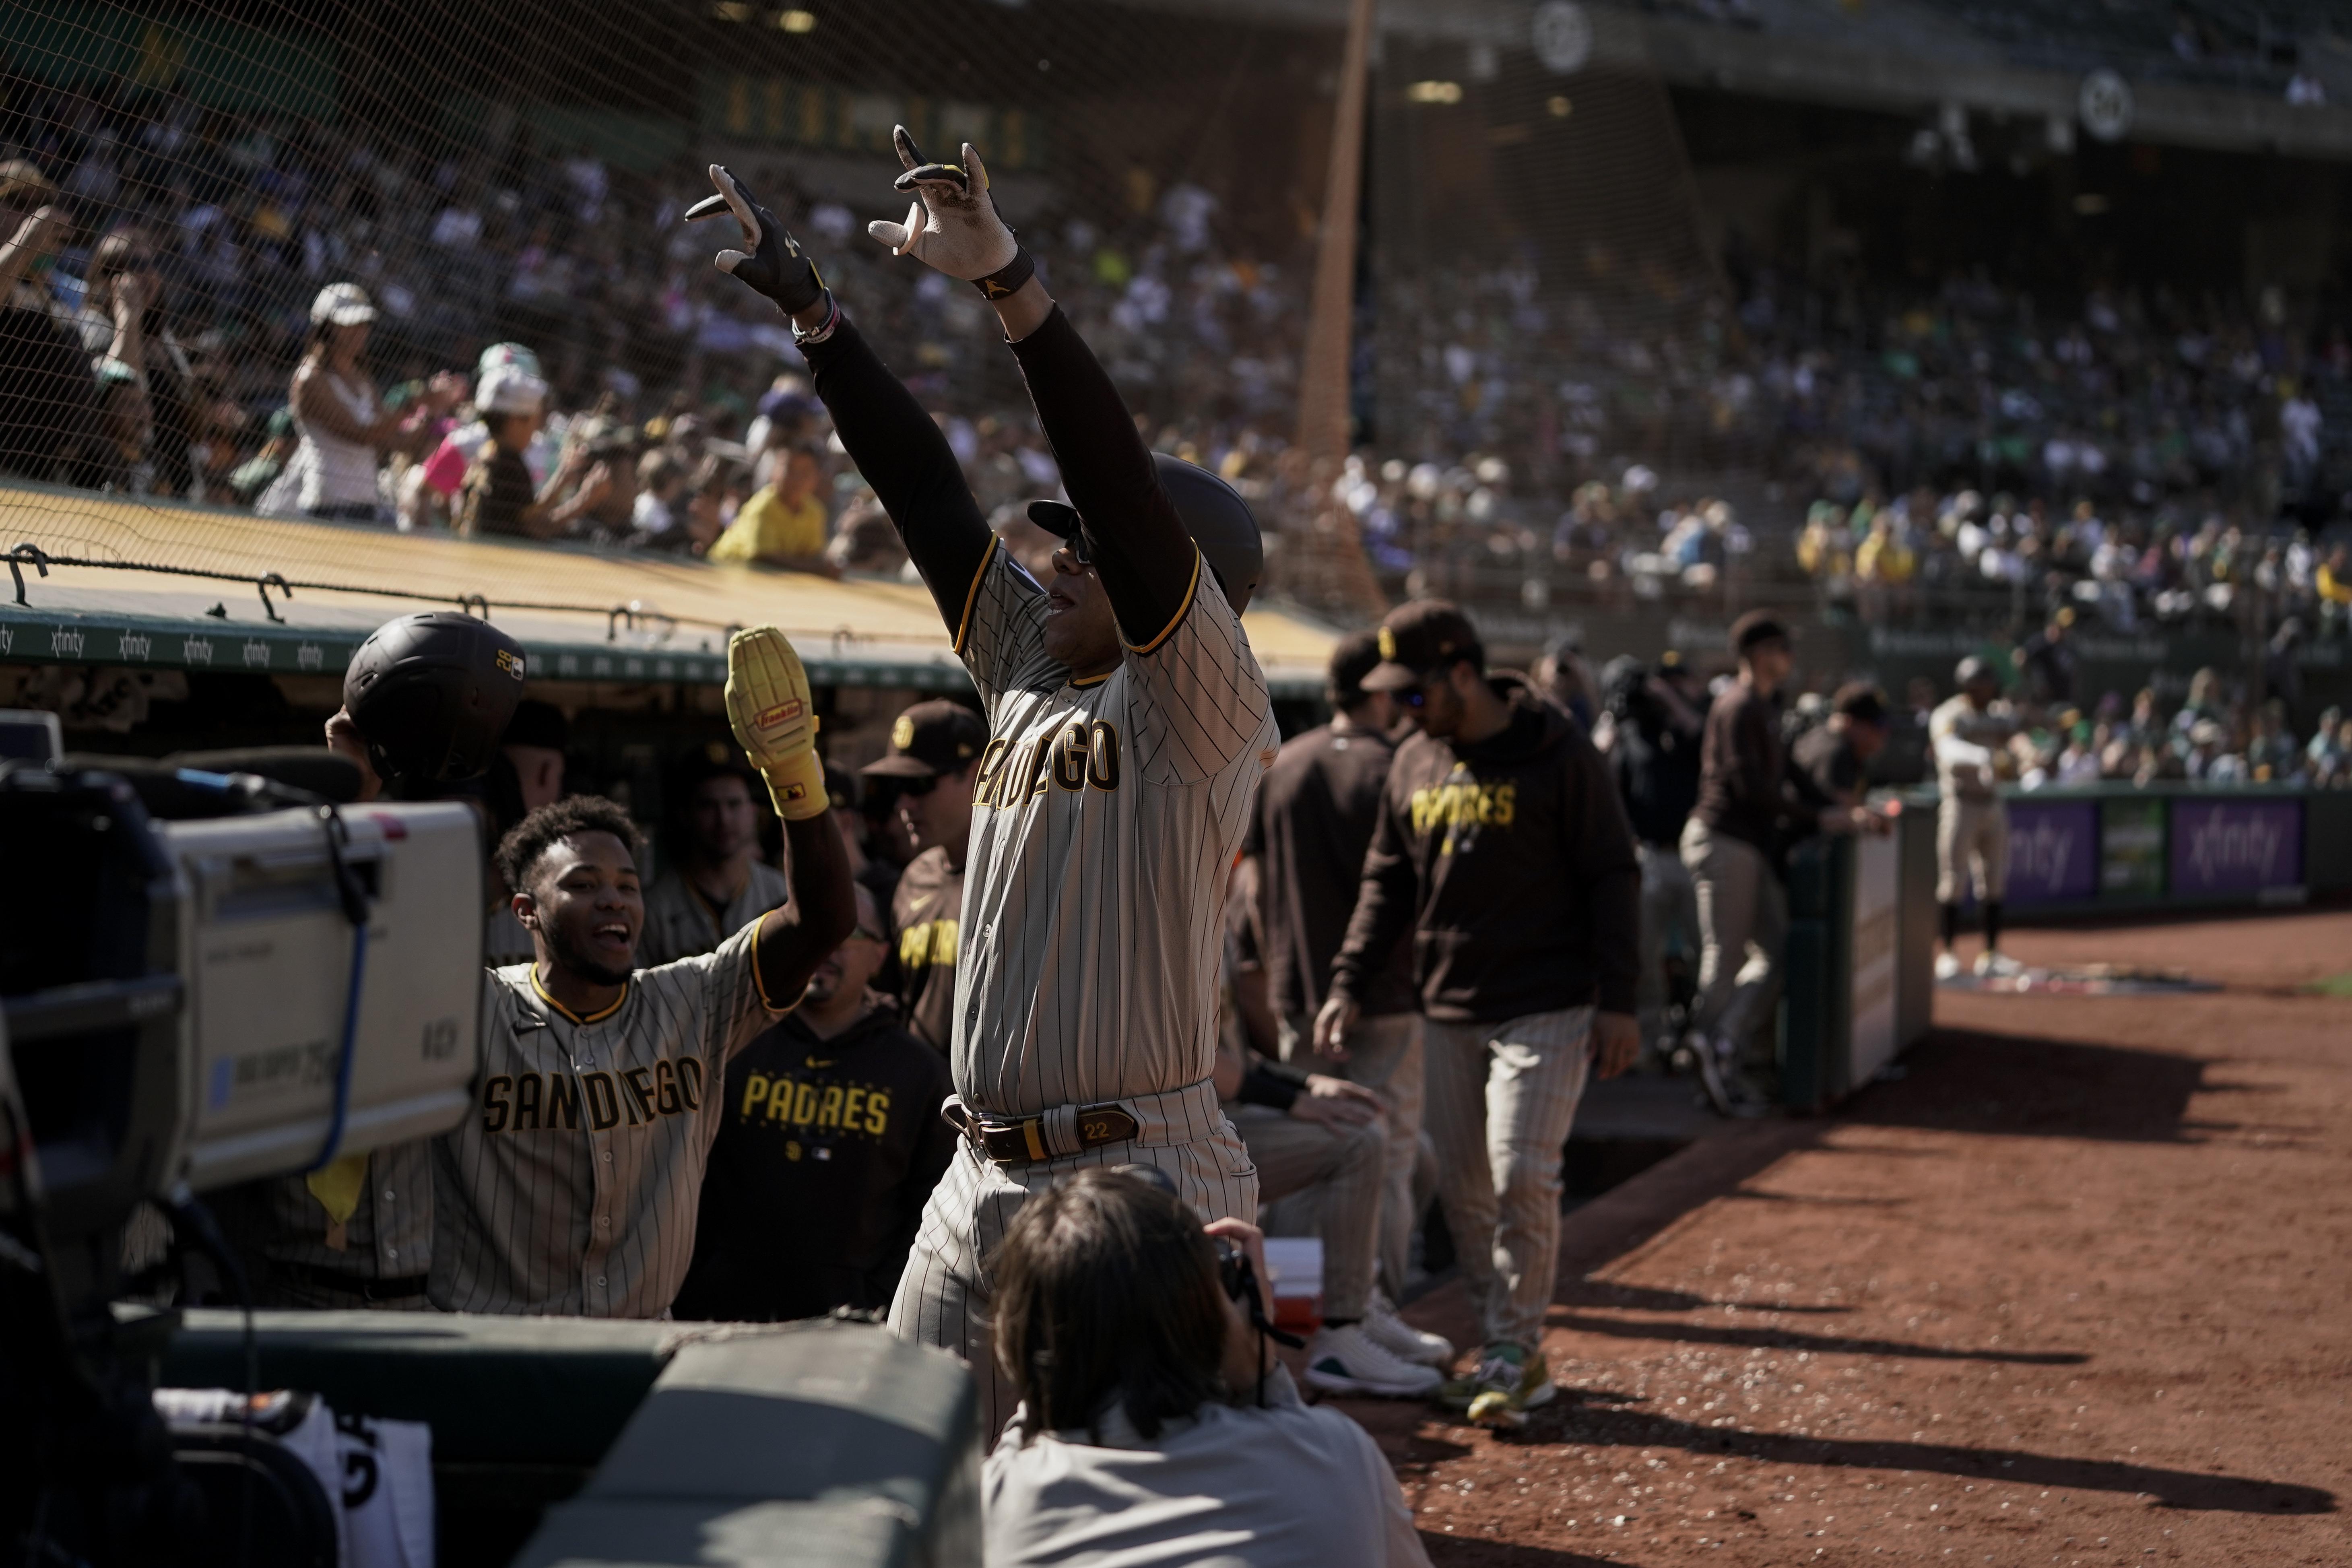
(1315,813)
(572,1188)
(1129,725)
(934,762)
(1752,806)
(832,1141)
(1652,744)
(1837,755)
(1504,852)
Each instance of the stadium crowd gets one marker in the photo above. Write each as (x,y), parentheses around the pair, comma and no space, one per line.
(166,266)
(226,334)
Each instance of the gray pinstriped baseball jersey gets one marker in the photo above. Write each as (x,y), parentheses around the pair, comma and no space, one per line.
(572,1188)
(1104,821)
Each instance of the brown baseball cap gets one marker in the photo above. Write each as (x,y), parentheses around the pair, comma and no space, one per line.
(931,737)
(1419,639)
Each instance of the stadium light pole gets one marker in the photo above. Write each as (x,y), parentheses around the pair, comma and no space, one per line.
(1323,401)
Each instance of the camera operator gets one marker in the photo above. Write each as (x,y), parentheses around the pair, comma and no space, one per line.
(1153,1426)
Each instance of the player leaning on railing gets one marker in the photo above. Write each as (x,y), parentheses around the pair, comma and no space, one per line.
(1129,725)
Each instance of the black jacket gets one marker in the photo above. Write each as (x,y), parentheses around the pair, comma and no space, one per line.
(828,1150)
(1511,864)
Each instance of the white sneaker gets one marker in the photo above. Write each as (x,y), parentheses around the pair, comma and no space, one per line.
(1948,966)
(1346,1360)
(1404,1342)
(1998,963)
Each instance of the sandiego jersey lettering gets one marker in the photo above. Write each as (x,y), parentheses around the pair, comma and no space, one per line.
(1106,817)
(572,1188)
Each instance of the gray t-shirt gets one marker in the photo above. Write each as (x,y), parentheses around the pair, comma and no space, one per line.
(1227,1486)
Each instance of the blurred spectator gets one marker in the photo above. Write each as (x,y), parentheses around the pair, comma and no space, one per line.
(867,542)
(143,376)
(2047,662)
(709,498)
(653,519)
(47,398)
(498,496)
(783,523)
(343,424)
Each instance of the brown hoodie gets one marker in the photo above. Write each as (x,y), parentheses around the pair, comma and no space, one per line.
(1511,864)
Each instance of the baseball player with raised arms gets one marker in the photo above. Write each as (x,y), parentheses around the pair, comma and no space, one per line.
(573,1187)
(1128,725)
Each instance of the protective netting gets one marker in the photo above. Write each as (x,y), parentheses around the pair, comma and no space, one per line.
(193,192)
(1547,315)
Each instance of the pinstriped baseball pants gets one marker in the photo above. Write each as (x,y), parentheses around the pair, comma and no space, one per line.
(1384,1055)
(944,1293)
(1501,1098)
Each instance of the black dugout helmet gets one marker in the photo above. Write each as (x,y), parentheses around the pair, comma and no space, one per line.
(1214,515)
(432,694)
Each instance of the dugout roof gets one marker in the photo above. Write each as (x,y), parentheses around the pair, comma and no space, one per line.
(291,597)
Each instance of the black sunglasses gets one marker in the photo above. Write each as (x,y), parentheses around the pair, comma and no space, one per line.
(1417,694)
(916,787)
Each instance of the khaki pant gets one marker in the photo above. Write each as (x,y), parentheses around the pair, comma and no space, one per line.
(1502,1096)
(1972,835)
(943,1296)
(1669,904)
(1384,1055)
(1743,919)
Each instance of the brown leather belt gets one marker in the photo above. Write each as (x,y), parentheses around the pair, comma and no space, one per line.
(1051,1135)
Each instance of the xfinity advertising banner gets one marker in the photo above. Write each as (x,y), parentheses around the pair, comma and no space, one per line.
(2054,850)
(2233,846)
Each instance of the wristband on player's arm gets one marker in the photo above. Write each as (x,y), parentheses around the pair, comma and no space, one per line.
(1008,279)
(796,786)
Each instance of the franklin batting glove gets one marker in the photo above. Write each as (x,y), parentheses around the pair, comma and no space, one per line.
(953,224)
(773,263)
(774,722)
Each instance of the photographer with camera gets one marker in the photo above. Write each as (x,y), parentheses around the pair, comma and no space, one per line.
(1154,1426)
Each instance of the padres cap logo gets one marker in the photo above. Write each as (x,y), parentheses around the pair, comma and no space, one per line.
(1387,643)
(902,733)
(782,714)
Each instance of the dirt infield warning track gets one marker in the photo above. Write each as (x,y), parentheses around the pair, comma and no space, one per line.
(2077,1290)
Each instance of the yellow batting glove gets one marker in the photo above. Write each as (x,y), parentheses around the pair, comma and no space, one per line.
(774,720)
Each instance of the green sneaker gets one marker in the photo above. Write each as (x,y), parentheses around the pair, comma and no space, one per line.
(1506,1385)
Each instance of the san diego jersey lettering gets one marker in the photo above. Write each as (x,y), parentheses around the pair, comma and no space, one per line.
(1105,818)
